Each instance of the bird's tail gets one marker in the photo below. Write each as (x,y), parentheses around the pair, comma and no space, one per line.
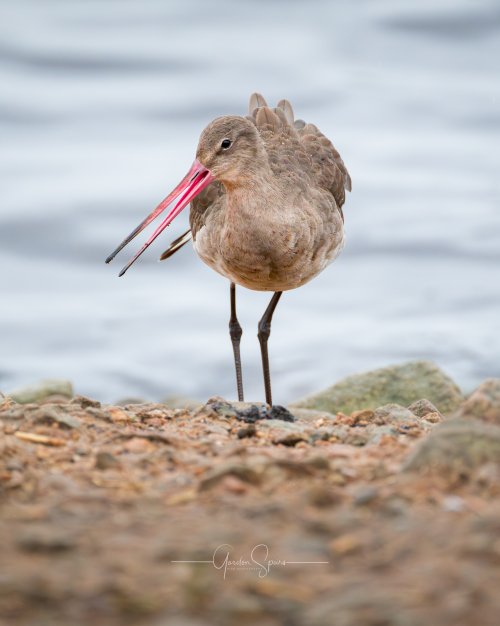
(176,245)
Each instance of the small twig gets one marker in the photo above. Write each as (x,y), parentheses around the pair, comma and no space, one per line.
(43,439)
(144,434)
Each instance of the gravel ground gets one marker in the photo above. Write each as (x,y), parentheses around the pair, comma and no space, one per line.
(365,519)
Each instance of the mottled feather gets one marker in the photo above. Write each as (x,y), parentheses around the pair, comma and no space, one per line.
(256,101)
(287,109)
(297,151)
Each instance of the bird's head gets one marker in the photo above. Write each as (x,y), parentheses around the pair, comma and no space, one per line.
(228,151)
(230,148)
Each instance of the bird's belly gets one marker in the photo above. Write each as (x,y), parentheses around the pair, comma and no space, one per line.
(278,261)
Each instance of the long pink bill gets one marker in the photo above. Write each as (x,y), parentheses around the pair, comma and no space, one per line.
(190,186)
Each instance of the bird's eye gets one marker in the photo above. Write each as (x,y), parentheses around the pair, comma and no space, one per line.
(226,143)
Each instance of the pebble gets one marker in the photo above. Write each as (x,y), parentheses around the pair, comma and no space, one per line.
(106,460)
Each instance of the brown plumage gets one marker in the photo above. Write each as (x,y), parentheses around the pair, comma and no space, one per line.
(266,194)
(286,225)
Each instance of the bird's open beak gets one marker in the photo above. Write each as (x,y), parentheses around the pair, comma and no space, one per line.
(190,186)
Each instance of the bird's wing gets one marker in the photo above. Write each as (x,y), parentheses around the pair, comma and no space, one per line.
(299,150)
(199,207)
(203,203)
(176,245)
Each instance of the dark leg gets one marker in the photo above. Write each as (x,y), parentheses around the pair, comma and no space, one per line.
(235,333)
(263,335)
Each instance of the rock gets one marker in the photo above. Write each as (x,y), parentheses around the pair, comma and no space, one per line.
(455,447)
(106,460)
(483,403)
(278,412)
(401,384)
(402,420)
(290,439)
(84,402)
(249,412)
(311,415)
(44,389)
(131,400)
(287,427)
(223,408)
(245,472)
(453,504)
(323,495)
(422,407)
(364,495)
(52,414)
(45,540)
(246,431)
(393,414)
(181,402)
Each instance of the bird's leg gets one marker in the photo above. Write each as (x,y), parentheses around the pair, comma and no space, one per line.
(263,335)
(235,332)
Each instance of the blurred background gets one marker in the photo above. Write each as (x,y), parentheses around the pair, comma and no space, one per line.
(101,106)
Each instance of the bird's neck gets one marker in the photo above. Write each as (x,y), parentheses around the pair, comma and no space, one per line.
(252,196)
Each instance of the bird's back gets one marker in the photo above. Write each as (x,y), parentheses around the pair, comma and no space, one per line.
(298,152)
(299,155)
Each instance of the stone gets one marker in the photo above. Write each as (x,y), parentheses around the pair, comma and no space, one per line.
(50,414)
(422,407)
(364,495)
(106,460)
(483,403)
(129,401)
(44,389)
(286,427)
(455,447)
(243,471)
(392,414)
(401,384)
(84,402)
(246,431)
(45,540)
(290,439)
(181,402)
(249,412)
(311,415)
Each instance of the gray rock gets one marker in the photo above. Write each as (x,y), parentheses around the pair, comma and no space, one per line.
(378,432)
(289,427)
(131,400)
(249,412)
(181,402)
(422,407)
(455,447)
(483,403)
(401,384)
(311,415)
(50,414)
(44,389)
(364,495)
(393,414)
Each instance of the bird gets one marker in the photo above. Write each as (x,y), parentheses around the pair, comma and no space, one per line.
(266,192)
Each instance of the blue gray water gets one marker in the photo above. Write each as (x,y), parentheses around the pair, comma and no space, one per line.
(101,105)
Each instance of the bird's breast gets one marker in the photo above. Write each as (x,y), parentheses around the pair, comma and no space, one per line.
(270,249)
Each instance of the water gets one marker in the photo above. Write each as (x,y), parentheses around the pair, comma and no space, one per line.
(101,105)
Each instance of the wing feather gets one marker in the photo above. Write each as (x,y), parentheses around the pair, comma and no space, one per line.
(176,245)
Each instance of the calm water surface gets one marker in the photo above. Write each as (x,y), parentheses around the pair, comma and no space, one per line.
(101,105)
